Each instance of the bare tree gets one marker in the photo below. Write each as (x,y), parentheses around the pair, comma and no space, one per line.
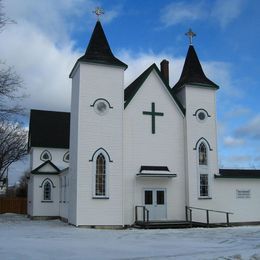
(10,85)
(10,82)
(4,20)
(13,145)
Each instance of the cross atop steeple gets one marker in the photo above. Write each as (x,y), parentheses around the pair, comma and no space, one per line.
(190,34)
(98,11)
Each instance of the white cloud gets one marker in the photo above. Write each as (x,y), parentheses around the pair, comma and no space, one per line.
(233,142)
(40,48)
(179,12)
(58,18)
(111,14)
(251,129)
(219,72)
(221,11)
(226,11)
(43,66)
(238,111)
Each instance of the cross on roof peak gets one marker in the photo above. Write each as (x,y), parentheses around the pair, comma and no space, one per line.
(190,34)
(98,11)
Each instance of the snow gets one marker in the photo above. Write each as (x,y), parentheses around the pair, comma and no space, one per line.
(22,238)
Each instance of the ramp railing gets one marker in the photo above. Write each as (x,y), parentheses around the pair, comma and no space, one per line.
(189,211)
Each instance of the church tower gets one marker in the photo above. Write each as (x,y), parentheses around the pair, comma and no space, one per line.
(198,96)
(96,136)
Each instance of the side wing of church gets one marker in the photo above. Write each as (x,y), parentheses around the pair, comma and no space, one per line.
(147,152)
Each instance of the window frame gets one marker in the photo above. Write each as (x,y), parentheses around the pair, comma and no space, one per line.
(203,166)
(43,153)
(203,155)
(44,191)
(64,157)
(204,186)
(107,160)
(100,176)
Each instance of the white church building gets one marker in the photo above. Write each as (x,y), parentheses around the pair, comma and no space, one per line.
(147,152)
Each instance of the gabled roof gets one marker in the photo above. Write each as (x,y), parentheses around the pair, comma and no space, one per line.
(238,173)
(192,73)
(133,88)
(55,169)
(98,50)
(49,129)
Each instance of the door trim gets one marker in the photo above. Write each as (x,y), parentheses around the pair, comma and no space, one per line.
(154,190)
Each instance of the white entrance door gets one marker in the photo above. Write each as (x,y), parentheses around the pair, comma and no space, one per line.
(155,202)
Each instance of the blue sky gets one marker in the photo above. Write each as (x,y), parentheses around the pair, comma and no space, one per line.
(50,35)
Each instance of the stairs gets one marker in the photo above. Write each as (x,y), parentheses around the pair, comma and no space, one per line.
(146,223)
(174,224)
(162,224)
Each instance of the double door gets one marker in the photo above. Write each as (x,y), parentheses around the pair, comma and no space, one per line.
(155,202)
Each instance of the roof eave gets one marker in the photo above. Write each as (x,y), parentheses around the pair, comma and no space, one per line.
(123,65)
(178,86)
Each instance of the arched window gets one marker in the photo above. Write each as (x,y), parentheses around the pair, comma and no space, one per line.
(100,180)
(203,170)
(203,160)
(47,191)
(45,156)
(66,157)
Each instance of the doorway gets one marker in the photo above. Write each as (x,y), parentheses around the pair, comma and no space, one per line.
(155,202)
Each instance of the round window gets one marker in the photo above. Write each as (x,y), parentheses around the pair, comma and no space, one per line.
(201,116)
(101,107)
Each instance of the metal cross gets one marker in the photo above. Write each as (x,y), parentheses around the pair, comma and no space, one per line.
(153,114)
(190,34)
(98,11)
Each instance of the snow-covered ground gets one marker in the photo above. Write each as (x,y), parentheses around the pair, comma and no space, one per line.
(21,238)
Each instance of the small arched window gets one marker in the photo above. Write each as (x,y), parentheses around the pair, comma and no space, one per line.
(100,182)
(45,156)
(47,191)
(203,160)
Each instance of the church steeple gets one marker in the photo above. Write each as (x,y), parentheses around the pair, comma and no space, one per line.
(98,50)
(192,73)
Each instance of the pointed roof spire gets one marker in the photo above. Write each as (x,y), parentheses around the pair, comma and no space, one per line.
(98,50)
(192,73)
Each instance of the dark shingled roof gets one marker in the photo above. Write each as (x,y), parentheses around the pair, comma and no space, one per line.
(49,129)
(162,171)
(98,50)
(154,168)
(192,73)
(238,173)
(132,89)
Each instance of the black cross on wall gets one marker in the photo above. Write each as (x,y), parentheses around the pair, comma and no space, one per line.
(153,114)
